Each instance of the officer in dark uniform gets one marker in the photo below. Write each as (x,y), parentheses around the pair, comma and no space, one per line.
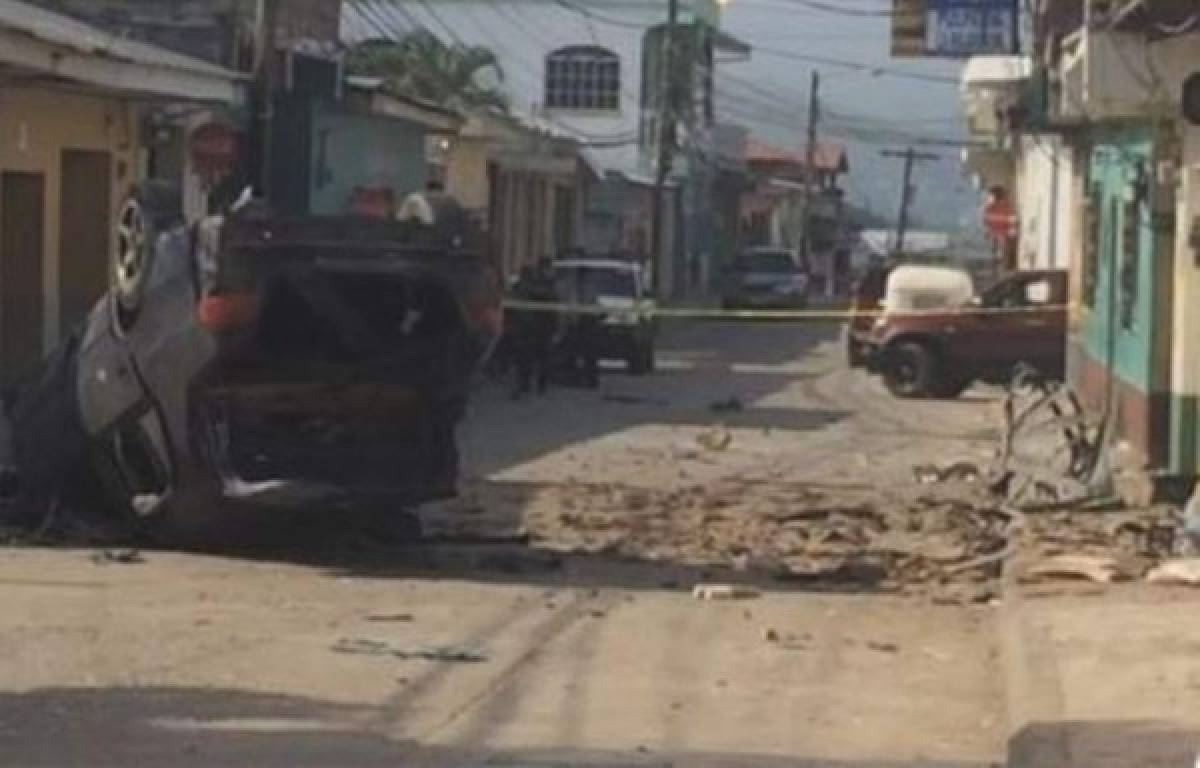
(583,337)
(533,331)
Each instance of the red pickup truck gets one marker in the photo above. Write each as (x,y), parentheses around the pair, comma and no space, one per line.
(939,352)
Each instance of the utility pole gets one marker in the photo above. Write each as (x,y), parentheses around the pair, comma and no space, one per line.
(810,155)
(264,94)
(666,145)
(911,157)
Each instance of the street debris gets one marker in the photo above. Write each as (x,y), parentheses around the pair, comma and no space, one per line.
(715,439)
(1094,568)
(724,592)
(1184,572)
(119,556)
(729,405)
(1049,450)
(788,641)
(369,647)
(962,471)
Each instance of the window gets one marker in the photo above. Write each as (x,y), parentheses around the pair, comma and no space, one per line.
(1131,215)
(1018,292)
(1091,245)
(583,77)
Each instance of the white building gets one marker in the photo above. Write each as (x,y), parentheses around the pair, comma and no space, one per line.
(590,71)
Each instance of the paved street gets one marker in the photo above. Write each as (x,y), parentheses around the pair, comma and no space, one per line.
(589,656)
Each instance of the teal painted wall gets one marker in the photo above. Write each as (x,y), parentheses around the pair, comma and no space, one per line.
(350,151)
(1113,165)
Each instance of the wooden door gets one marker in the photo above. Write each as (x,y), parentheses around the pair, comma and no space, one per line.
(85,233)
(22,218)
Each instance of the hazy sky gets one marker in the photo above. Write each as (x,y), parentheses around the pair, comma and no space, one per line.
(766,91)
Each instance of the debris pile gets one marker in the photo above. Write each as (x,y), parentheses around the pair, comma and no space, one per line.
(796,532)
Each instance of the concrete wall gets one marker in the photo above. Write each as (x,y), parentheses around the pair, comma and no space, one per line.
(35,127)
(1185,374)
(350,151)
(1045,203)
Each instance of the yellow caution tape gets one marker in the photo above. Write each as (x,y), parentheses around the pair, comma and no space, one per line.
(709,313)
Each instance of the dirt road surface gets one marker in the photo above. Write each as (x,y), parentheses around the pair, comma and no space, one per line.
(544,623)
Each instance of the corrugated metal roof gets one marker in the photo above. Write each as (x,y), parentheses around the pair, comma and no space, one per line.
(66,32)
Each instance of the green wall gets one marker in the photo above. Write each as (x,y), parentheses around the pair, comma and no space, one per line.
(1113,166)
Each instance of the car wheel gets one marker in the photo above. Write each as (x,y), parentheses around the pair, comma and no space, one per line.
(951,387)
(856,356)
(911,371)
(131,262)
(641,361)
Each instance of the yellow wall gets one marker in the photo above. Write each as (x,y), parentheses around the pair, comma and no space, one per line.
(466,172)
(36,125)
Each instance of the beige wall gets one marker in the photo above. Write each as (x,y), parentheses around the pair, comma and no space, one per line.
(466,172)
(35,127)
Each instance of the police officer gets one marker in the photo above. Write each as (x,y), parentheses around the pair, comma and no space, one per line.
(533,331)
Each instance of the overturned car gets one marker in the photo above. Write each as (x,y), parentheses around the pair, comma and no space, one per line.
(256,361)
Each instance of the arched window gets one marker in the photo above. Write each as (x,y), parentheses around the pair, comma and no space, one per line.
(583,77)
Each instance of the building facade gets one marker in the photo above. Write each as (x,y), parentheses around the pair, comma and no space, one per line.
(589,72)
(72,147)
(1109,84)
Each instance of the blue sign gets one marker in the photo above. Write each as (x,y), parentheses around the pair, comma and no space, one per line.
(971,27)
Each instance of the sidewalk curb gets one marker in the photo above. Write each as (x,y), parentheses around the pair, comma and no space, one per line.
(1032,688)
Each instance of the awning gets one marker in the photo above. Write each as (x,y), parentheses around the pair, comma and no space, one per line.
(58,48)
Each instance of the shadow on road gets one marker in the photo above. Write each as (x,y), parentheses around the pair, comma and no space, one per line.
(1104,744)
(701,365)
(187,727)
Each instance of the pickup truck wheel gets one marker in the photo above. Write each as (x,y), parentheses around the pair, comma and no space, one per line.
(950,387)
(856,356)
(641,359)
(911,371)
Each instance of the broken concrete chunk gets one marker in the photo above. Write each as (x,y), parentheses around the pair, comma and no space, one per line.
(724,592)
(1182,572)
(1095,568)
(121,556)
(716,439)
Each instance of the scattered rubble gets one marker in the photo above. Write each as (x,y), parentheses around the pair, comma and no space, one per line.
(1184,572)
(1094,568)
(961,471)
(119,556)
(723,592)
(369,647)
(715,439)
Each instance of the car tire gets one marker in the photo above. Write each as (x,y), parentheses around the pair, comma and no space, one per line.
(951,387)
(154,208)
(641,360)
(856,356)
(131,261)
(911,371)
